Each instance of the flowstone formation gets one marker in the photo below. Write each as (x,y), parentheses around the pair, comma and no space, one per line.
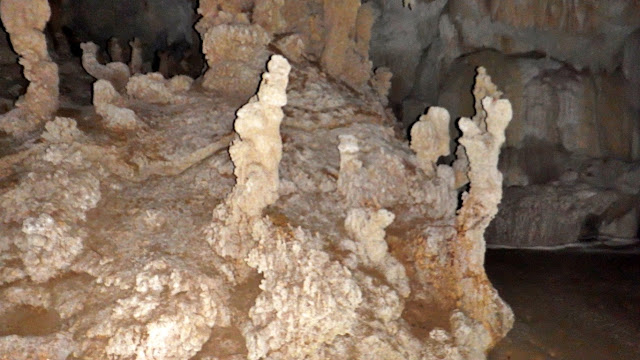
(172,222)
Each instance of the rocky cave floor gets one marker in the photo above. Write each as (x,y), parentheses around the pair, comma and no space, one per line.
(569,304)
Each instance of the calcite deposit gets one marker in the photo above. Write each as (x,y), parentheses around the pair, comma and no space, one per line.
(482,138)
(430,138)
(235,50)
(116,73)
(136,62)
(154,88)
(25,22)
(256,156)
(346,52)
(287,221)
(106,100)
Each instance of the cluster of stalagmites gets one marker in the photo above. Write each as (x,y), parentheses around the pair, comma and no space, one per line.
(327,234)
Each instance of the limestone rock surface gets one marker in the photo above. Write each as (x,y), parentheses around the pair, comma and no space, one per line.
(598,203)
(565,30)
(25,22)
(554,106)
(142,281)
(236,55)
(253,217)
(541,54)
(116,73)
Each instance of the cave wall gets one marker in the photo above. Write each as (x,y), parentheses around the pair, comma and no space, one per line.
(571,68)
(163,31)
(581,112)
(585,36)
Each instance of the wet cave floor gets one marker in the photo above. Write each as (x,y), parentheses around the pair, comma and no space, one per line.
(581,304)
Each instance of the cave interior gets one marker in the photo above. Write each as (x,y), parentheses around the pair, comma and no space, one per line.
(320,179)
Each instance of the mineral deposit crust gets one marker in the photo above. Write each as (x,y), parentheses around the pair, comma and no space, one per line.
(182,226)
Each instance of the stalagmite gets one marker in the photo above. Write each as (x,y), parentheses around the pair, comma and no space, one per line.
(257,153)
(25,22)
(381,82)
(430,138)
(479,317)
(154,88)
(234,74)
(368,230)
(111,106)
(235,50)
(482,137)
(135,63)
(115,72)
(256,156)
(115,50)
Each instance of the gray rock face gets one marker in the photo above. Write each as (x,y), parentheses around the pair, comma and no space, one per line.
(597,200)
(7,55)
(566,30)
(631,57)
(540,216)
(631,69)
